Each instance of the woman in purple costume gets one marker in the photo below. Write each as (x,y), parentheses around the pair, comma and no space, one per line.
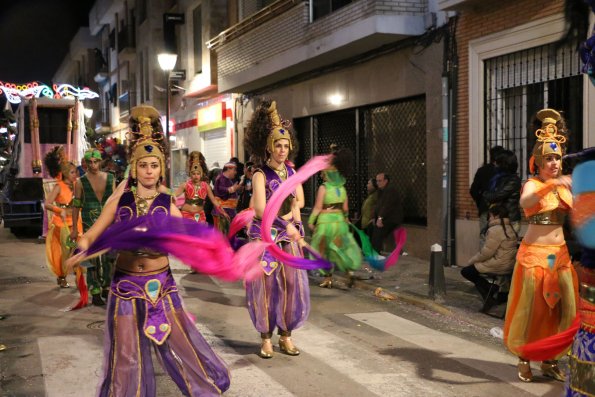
(144,308)
(280,298)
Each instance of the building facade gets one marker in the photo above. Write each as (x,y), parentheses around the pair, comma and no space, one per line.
(511,64)
(366,75)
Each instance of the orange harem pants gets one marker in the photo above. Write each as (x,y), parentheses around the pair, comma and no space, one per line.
(543,295)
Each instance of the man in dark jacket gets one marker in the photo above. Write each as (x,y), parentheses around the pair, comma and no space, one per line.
(481,184)
(388,212)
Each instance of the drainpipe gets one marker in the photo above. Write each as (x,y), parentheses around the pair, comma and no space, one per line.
(449,74)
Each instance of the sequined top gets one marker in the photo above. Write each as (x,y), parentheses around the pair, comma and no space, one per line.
(195,194)
(127,208)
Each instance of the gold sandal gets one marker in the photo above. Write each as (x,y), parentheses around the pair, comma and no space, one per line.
(63,283)
(524,370)
(287,347)
(327,283)
(550,369)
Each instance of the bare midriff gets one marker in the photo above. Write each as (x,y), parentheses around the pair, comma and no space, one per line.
(193,209)
(544,235)
(135,263)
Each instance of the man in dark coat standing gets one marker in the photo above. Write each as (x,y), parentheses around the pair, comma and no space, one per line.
(388,212)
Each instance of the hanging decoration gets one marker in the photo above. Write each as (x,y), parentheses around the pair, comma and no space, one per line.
(15,93)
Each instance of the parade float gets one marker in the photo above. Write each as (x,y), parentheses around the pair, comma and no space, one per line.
(45,117)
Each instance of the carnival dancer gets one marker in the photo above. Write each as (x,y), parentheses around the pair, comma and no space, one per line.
(280,297)
(90,196)
(226,190)
(543,294)
(196,190)
(329,220)
(60,202)
(144,308)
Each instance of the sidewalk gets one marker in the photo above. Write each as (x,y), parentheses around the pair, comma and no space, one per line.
(408,280)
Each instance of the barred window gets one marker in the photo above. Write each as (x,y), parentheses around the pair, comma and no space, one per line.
(519,84)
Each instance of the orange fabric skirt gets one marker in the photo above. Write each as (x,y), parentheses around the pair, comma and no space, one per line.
(55,246)
(543,295)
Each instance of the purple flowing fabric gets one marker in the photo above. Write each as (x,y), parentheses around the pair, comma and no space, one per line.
(313,166)
(199,246)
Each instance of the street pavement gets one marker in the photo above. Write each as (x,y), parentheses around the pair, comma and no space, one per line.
(354,344)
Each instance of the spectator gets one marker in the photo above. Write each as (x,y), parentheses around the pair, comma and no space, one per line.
(214,172)
(240,167)
(497,256)
(246,187)
(388,212)
(368,206)
(227,192)
(481,183)
(505,187)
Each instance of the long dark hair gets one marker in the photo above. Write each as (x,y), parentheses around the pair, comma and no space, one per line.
(501,212)
(342,160)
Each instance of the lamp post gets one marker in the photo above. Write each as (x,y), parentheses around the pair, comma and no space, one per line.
(167,62)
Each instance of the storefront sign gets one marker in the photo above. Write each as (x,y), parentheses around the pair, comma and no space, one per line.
(211,117)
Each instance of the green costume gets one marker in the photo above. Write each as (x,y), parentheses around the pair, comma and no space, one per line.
(332,237)
(100,269)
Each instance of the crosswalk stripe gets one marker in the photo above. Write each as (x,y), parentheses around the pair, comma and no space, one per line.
(71,365)
(247,380)
(466,352)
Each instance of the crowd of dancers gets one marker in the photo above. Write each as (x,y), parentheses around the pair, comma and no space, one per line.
(141,221)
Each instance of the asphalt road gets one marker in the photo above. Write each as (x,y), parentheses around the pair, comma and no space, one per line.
(353,344)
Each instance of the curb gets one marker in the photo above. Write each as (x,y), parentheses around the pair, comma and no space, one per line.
(402,296)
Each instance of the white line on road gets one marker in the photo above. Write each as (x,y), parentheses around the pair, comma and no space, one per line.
(471,354)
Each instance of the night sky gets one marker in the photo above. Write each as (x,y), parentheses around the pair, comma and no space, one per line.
(35,36)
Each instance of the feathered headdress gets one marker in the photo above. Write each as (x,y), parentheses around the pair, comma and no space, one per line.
(549,141)
(57,163)
(146,137)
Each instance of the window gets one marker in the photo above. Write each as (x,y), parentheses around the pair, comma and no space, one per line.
(519,84)
(321,8)
(388,138)
(198,40)
(141,7)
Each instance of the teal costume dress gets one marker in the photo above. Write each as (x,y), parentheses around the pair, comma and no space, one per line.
(332,237)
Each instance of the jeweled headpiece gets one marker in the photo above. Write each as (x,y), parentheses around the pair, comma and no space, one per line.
(147,144)
(279,128)
(549,141)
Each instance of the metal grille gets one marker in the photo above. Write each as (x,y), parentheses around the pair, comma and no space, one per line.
(396,144)
(387,138)
(519,84)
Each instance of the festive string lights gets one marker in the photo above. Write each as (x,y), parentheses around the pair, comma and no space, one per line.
(15,93)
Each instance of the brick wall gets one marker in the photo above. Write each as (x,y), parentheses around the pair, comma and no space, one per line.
(474,23)
(293,29)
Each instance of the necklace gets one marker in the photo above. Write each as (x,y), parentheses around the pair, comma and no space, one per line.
(142,203)
(282,171)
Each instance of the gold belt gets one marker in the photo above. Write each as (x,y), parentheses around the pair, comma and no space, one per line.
(547,218)
(63,205)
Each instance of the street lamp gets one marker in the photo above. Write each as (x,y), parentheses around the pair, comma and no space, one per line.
(167,62)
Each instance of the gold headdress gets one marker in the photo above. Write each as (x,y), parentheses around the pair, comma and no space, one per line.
(548,139)
(145,119)
(279,129)
(197,162)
